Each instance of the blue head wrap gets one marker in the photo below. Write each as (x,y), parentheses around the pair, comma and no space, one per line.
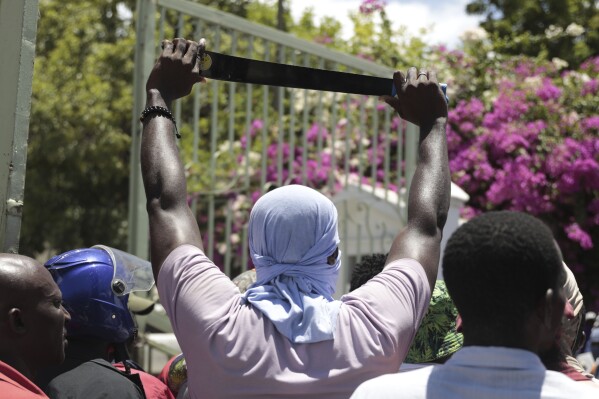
(292,232)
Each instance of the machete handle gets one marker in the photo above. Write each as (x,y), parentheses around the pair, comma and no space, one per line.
(443,87)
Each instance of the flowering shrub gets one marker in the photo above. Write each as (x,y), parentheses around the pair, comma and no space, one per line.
(371,6)
(531,143)
(523,135)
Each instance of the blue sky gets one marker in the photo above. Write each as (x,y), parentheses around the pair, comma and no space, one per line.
(447,17)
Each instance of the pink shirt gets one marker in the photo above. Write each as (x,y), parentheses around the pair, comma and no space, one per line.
(15,385)
(232,351)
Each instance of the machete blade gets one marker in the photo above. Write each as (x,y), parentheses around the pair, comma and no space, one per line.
(244,70)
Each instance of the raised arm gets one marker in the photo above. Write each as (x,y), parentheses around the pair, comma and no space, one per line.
(171,221)
(420,101)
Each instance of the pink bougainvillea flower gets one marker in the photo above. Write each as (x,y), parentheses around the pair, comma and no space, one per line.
(577,234)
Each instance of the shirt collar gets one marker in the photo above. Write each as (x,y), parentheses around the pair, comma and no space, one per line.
(496,357)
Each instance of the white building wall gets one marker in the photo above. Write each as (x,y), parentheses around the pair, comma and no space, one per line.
(369,220)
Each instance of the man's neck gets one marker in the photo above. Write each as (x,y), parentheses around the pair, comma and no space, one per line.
(18,363)
(85,350)
(506,341)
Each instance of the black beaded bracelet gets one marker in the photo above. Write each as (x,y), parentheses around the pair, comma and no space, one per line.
(161,111)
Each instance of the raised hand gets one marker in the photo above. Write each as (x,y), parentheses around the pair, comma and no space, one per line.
(419,97)
(176,70)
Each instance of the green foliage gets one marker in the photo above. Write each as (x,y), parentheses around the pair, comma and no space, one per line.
(566,29)
(375,39)
(328,32)
(237,7)
(78,157)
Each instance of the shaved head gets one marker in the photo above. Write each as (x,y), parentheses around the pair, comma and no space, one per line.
(19,276)
(32,319)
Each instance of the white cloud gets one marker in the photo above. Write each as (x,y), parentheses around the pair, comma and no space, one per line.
(448,17)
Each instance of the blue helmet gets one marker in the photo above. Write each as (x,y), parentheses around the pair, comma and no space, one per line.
(95,292)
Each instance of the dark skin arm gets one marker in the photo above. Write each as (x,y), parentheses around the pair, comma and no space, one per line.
(172,224)
(420,101)
(171,221)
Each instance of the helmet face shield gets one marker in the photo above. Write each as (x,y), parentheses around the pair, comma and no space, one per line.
(130,272)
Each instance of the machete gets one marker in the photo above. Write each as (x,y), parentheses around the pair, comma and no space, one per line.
(244,70)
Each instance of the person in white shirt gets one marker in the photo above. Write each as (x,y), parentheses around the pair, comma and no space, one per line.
(505,276)
(561,357)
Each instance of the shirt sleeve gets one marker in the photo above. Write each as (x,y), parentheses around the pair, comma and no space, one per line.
(393,303)
(194,292)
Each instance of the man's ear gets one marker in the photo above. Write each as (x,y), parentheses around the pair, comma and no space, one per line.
(15,321)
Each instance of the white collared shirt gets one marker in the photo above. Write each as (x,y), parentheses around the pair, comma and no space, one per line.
(481,373)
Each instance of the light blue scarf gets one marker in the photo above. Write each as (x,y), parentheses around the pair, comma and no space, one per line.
(292,231)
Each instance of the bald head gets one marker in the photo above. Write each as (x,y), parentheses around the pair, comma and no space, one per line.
(32,319)
(19,276)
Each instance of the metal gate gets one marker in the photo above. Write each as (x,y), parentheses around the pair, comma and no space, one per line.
(240,140)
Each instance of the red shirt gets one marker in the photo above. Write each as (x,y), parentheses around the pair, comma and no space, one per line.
(15,385)
(573,373)
(153,387)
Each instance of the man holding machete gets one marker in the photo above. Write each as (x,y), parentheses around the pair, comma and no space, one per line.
(286,336)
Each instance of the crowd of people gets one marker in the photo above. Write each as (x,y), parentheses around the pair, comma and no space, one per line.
(507,321)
